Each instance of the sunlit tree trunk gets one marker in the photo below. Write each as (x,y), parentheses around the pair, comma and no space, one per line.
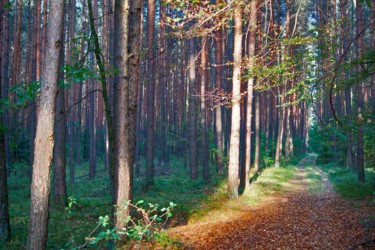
(204,82)
(250,90)
(280,109)
(218,110)
(257,133)
(44,140)
(127,49)
(192,111)
(234,156)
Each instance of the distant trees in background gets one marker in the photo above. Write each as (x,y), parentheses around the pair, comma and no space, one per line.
(220,85)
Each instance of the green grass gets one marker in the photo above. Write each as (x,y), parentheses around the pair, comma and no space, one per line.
(194,199)
(346,183)
(271,180)
(314,180)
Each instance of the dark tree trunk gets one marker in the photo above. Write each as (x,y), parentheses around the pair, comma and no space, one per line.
(359,95)
(59,154)
(5,233)
(151,95)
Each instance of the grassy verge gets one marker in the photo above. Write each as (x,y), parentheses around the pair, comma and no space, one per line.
(346,184)
(314,180)
(195,199)
(217,206)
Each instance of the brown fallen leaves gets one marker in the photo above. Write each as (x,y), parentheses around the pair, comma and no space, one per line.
(293,219)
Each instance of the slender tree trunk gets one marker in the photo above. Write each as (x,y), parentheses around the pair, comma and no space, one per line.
(192,111)
(250,90)
(204,76)
(359,95)
(218,109)
(163,87)
(59,189)
(17,45)
(44,140)
(5,233)
(127,49)
(151,95)
(59,154)
(257,133)
(103,81)
(4,78)
(233,168)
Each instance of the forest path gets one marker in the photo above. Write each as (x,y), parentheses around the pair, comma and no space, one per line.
(294,218)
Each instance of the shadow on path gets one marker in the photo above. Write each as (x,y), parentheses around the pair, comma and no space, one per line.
(291,219)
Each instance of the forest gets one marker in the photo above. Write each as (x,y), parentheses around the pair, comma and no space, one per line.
(187,124)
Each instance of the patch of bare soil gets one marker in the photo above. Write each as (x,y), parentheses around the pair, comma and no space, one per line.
(292,219)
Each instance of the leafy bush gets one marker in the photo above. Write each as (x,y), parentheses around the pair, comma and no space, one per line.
(144,225)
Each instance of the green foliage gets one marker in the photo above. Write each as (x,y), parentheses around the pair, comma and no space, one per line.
(144,225)
(21,96)
(71,202)
(346,184)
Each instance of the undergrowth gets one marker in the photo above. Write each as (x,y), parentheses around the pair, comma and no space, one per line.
(345,181)
(90,199)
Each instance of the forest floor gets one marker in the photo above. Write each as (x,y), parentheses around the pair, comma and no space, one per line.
(304,215)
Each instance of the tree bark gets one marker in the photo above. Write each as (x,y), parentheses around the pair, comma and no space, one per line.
(127,49)
(359,96)
(59,154)
(250,91)
(234,156)
(44,140)
(192,111)
(257,133)
(218,86)
(204,76)
(5,233)
(151,95)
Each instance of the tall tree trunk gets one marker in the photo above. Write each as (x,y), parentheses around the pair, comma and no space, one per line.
(59,154)
(59,188)
(234,156)
(44,140)
(127,49)
(257,133)
(92,130)
(17,45)
(5,233)
(359,94)
(163,86)
(204,80)
(345,31)
(151,95)
(107,107)
(192,111)
(4,78)
(250,90)
(218,109)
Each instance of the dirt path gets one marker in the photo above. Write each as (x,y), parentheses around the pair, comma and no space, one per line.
(293,219)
